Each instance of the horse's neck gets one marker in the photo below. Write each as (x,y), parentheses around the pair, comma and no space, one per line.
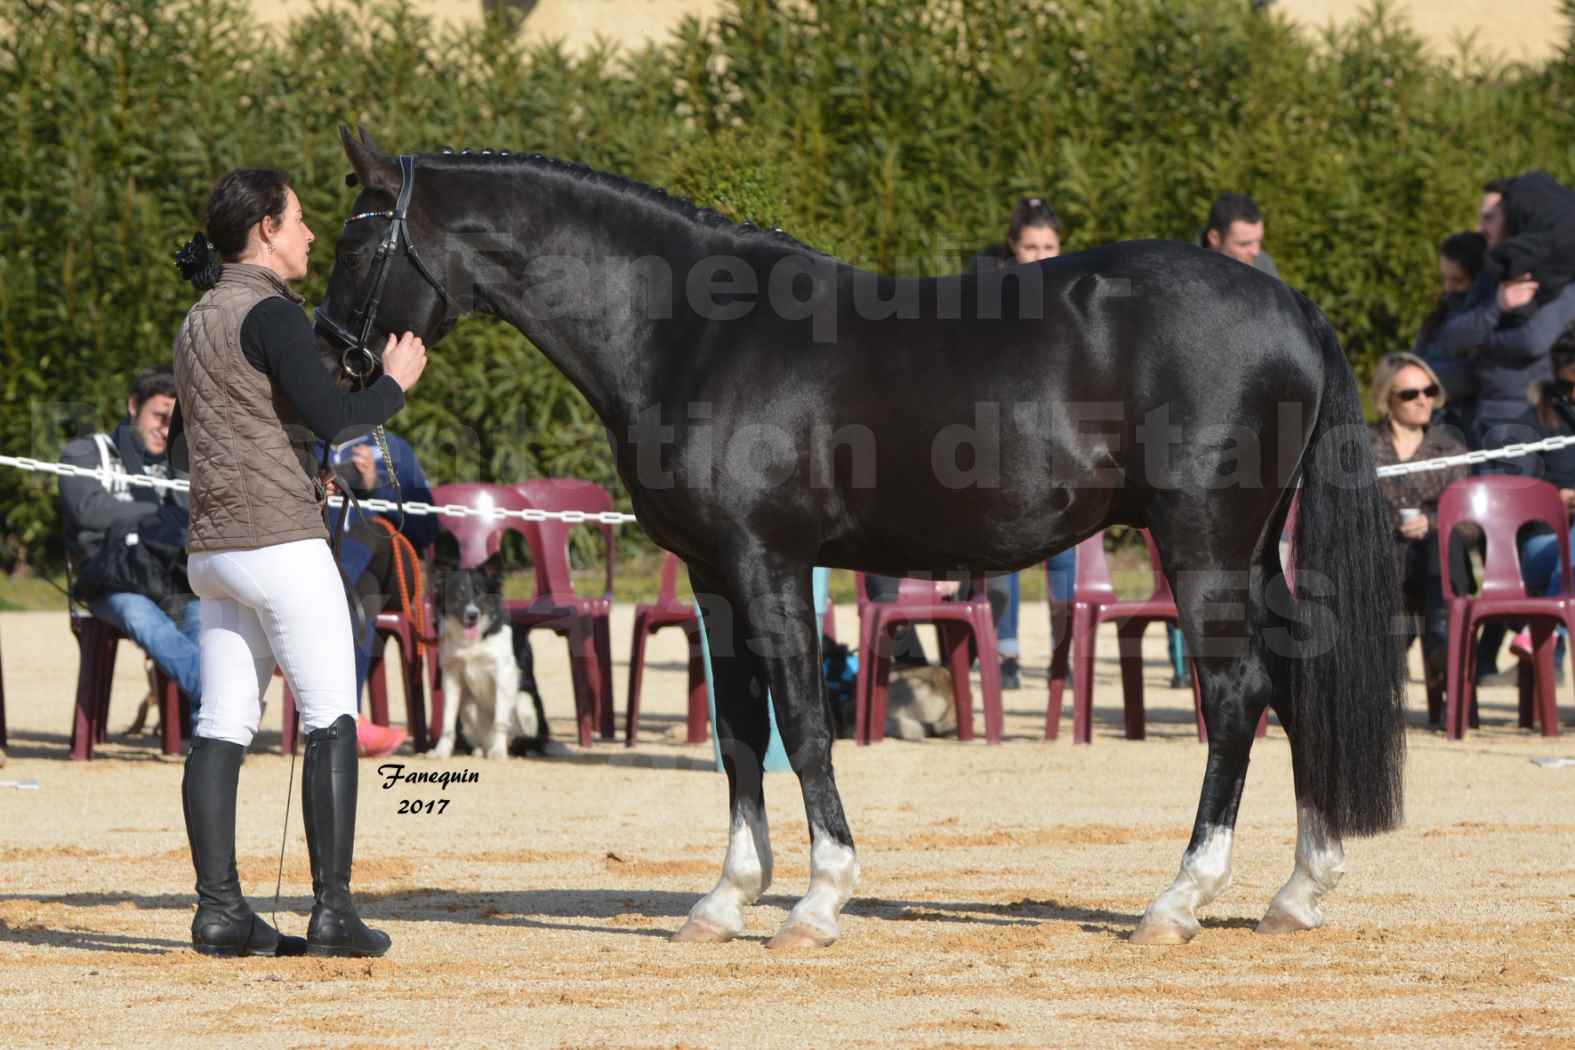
(601,293)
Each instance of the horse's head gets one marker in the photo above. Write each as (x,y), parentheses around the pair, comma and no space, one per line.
(380,283)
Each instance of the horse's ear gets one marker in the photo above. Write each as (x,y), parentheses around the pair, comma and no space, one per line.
(374,169)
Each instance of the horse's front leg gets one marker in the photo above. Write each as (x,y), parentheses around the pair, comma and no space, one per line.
(783,634)
(743,732)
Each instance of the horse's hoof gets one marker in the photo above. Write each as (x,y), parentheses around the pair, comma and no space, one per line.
(1277,920)
(1161,931)
(698,931)
(797,935)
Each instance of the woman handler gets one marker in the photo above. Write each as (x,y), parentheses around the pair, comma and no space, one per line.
(253,396)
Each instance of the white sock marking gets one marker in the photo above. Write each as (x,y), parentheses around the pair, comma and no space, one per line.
(1320,861)
(746,874)
(1204,875)
(833,876)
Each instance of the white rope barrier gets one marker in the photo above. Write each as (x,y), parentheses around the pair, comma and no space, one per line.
(575,517)
(415,507)
(1471,459)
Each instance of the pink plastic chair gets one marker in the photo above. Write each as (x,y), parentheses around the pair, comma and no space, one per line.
(957,622)
(650,617)
(1094,602)
(97,643)
(584,620)
(1500,506)
(389,625)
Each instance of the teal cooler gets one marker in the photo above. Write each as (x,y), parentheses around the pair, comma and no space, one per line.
(776,757)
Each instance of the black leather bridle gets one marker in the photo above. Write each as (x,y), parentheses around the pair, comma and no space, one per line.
(358,359)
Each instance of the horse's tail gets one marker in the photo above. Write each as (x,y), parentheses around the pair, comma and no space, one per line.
(1348,679)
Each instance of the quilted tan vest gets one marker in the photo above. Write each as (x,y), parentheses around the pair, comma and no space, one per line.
(253,477)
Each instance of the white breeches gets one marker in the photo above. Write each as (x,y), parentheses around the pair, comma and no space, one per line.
(283,603)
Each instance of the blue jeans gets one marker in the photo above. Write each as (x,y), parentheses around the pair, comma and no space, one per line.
(173,647)
(1006,631)
(1539,564)
(1539,567)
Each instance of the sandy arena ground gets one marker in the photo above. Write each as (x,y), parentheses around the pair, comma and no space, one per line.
(999,889)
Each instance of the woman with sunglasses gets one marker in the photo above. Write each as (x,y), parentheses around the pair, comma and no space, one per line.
(1406,393)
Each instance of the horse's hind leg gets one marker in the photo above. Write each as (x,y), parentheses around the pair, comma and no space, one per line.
(1236,688)
(743,733)
(1320,858)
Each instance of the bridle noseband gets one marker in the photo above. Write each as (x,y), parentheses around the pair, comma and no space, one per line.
(358,359)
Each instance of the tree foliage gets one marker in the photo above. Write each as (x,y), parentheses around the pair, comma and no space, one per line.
(894,134)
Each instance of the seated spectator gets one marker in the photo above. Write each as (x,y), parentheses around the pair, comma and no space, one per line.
(1552,415)
(168,623)
(1405,392)
(367,553)
(1235,228)
(1461,257)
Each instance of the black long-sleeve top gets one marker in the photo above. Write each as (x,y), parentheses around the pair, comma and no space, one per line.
(278,341)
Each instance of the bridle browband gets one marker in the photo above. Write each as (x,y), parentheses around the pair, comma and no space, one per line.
(358,359)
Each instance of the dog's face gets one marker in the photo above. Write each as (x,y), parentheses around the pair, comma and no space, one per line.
(470,601)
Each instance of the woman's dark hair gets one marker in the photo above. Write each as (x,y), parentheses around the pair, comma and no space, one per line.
(239,201)
(1031,211)
(1467,250)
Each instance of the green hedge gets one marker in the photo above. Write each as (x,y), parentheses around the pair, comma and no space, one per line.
(894,134)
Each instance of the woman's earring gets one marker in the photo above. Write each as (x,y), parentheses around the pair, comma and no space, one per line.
(269,247)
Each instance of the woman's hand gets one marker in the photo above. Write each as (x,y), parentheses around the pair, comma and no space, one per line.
(1512,295)
(1414,527)
(405,359)
(330,488)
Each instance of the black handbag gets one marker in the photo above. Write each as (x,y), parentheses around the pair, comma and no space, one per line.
(145,556)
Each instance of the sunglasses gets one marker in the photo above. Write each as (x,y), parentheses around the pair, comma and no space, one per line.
(1429,391)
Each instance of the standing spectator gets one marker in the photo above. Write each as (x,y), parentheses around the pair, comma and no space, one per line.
(1505,357)
(1490,213)
(1461,257)
(1235,228)
(138,445)
(1404,394)
(1538,234)
(1033,233)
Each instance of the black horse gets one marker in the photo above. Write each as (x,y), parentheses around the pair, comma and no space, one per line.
(772,409)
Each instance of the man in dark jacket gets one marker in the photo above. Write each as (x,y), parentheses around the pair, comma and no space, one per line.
(92,508)
(1539,234)
(1235,228)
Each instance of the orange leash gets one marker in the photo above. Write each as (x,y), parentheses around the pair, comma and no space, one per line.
(407,595)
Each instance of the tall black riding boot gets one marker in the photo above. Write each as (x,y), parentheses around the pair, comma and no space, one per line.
(328,800)
(225,923)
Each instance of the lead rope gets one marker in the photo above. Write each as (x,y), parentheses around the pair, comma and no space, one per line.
(284,834)
(344,511)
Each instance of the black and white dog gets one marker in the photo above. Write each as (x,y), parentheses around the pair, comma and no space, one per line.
(487,674)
